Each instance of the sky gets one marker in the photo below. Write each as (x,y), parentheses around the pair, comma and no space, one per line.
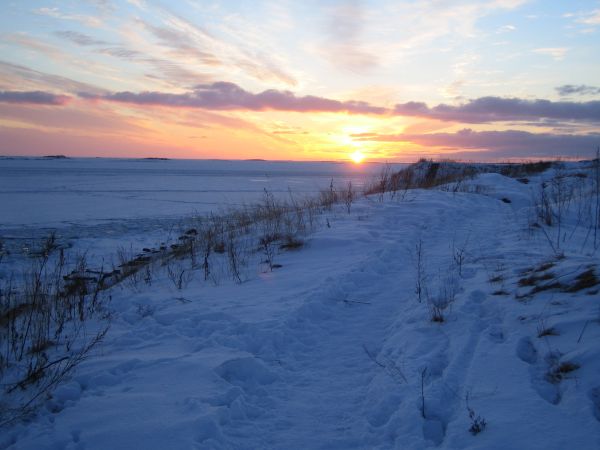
(301,80)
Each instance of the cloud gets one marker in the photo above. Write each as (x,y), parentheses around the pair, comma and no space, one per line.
(189,40)
(104,6)
(89,21)
(72,119)
(80,38)
(591,18)
(121,52)
(229,96)
(141,4)
(498,144)
(30,141)
(496,109)
(506,29)
(557,53)
(182,44)
(581,89)
(345,28)
(33,97)
(25,40)
(16,75)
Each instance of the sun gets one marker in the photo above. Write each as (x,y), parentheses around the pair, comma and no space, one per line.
(357,157)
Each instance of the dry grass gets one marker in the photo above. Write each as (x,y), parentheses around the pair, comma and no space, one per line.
(584,280)
(559,372)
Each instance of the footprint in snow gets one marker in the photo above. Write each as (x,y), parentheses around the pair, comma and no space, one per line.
(247,373)
(595,398)
(434,430)
(496,334)
(526,351)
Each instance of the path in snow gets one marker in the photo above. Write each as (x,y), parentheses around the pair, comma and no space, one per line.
(320,397)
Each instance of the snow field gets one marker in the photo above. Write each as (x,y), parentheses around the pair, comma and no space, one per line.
(333,349)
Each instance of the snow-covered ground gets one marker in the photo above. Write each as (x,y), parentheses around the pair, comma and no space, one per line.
(333,350)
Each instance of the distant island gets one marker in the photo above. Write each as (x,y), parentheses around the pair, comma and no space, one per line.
(55,157)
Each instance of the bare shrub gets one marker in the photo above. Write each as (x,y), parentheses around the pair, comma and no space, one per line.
(291,242)
(207,241)
(130,267)
(596,218)
(3,250)
(558,370)
(478,423)
(348,196)
(521,170)
(328,197)
(50,320)
(297,212)
(551,205)
(267,244)
(383,181)
(446,295)
(179,275)
(459,254)
(235,257)
(420,277)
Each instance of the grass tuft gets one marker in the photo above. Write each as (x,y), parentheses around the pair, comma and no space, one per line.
(584,280)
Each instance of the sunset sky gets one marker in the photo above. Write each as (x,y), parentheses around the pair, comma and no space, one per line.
(300,80)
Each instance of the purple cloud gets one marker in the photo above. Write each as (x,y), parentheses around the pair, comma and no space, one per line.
(229,96)
(498,144)
(33,97)
(581,89)
(496,109)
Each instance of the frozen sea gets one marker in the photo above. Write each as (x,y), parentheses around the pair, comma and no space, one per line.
(94,200)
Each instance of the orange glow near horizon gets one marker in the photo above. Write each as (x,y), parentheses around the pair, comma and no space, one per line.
(115,130)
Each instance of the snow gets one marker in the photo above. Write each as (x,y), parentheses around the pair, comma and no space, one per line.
(333,349)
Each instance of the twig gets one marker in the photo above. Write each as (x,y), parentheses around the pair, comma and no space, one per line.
(583,331)
(356,301)
(372,357)
(423,372)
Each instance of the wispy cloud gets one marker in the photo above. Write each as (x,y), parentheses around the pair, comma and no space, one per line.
(497,144)
(182,44)
(590,18)
(580,89)
(141,4)
(173,70)
(80,38)
(121,52)
(17,75)
(185,39)
(105,6)
(496,109)
(229,96)
(56,13)
(345,46)
(557,53)
(33,97)
(506,29)
(25,40)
